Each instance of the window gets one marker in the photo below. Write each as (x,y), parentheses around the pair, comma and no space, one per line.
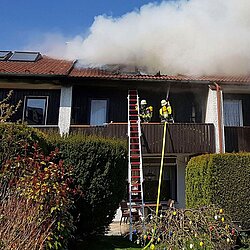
(35,110)
(169,182)
(233,113)
(98,113)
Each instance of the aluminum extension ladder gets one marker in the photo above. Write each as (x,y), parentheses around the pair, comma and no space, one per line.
(135,173)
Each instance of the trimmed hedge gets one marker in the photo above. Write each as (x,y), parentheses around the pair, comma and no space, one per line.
(14,137)
(100,170)
(221,179)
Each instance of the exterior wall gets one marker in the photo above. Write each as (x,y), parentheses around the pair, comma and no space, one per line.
(19,94)
(65,110)
(212,117)
(188,106)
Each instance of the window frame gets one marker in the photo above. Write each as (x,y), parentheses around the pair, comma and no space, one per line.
(46,108)
(90,109)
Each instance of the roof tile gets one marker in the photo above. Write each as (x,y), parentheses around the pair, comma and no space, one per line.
(44,66)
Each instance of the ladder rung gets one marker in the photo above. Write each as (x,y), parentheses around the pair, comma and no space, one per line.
(136,185)
(136,206)
(135,156)
(135,169)
(135,163)
(135,176)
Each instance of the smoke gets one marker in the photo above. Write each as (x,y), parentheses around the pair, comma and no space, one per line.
(195,37)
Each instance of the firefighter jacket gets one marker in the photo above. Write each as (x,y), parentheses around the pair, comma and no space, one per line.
(165,112)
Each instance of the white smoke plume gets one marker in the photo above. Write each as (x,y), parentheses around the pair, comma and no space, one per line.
(195,37)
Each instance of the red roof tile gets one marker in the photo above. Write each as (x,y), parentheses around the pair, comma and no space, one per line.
(52,67)
(44,66)
(97,73)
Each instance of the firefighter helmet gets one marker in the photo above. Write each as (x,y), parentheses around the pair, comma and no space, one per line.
(163,102)
(143,102)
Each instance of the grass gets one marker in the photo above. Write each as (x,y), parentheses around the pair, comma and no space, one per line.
(107,243)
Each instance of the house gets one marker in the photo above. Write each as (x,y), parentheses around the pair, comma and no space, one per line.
(211,113)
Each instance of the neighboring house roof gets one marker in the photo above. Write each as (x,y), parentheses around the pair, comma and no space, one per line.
(45,66)
(98,73)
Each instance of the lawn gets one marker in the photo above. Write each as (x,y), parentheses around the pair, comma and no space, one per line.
(108,243)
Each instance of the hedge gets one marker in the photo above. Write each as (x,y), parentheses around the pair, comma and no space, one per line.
(221,179)
(14,137)
(100,170)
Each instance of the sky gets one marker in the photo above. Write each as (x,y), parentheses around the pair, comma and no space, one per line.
(26,22)
(190,37)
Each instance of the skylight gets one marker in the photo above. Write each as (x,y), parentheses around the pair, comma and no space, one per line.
(25,56)
(4,55)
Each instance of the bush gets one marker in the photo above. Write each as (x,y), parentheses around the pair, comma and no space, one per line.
(42,183)
(100,170)
(221,179)
(204,228)
(21,226)
(14,138)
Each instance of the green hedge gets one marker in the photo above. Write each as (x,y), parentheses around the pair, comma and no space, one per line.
(14,137)
(221,179)
(100,170)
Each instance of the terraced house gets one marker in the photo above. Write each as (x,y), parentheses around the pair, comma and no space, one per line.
(211,113)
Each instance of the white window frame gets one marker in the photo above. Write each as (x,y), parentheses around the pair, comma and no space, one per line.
(46,107)
(90,113)
(240,111)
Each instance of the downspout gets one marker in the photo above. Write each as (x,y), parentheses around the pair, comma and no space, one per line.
(218,89)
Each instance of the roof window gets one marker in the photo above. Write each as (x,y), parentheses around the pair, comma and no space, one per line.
(5,55)
(25,56)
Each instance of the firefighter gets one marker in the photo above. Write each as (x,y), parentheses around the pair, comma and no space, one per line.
(166,112)
(145,112)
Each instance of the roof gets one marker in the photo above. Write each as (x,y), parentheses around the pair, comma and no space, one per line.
(102,74)
(45,66)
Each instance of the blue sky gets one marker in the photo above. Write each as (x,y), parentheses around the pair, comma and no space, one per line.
(24,21)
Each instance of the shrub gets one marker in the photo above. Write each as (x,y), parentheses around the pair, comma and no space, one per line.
(14,138)
(100,170)
(203,228)
(6,109)
(39,180)
(21,226)
(221,179)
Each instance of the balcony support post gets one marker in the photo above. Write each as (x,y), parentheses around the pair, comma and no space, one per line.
(214,114)
(65,110)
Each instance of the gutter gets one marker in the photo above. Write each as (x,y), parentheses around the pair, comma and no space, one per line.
(219,113)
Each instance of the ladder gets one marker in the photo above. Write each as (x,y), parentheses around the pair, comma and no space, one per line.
(135,173)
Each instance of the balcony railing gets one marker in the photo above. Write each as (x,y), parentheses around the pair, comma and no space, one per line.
(181,138)
(237,139)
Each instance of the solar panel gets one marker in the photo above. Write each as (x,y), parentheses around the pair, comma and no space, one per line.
(4,55)
(25,56)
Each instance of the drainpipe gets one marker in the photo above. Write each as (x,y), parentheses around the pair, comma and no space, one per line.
(219,113)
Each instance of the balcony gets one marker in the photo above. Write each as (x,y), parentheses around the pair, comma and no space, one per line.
(237,139)
(180,137)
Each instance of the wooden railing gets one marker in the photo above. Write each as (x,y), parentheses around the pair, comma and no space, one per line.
(237,139)
(181,138)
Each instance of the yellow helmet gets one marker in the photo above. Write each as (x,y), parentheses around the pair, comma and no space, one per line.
(163,102)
